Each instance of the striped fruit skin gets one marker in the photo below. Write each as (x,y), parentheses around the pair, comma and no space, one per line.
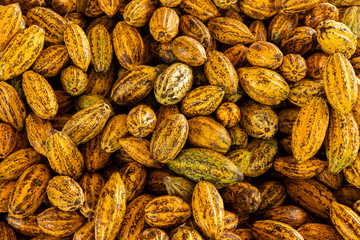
(10,23)
(51,61)
(164,24)
(330,180)
(39,95)
(110,208)
(154,234)
(134,219)
(342,141)
(351,18)
(128,45)
(258,10)
(141,121)
(318,231)
(138,13)
(27,226)
(30,191)
(311,195)
(7,233)
(272,194)
(287,118)
(231,221)
(292,215)
(345,220)
(113,131)
(91,184)
(258,29)
(340,83)
(274,230)
(264,54)
(280,25)
(101,48)
(109,7)
(73,80)
(6,188)
(100,83)
(293,67)
(59,223)
(201,9)
(203,100)
(179,186)
(7,140)
(16,163)
(208,209)
(167,211)
(169,138)
(301,40)
(133,175)
(220,72)
(87,123)
(186,233)
(65,193)
(21,52)
(309,129)
(195,163)
(301,92)
(193,27)
(296,6)
(63,155)
(352,172)
(189,51)
(78,45)
(291,168)
(53,24)
(86,232)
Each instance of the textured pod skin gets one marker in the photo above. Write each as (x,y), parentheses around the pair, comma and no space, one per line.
(272,195)
(330,180)
(63,6)
(141,121)
(87,100)
(258,29)
(342,141)
(91,184)
(86,232)
(241,158)
(301,40)
(192,162)
(293,67)
(345,220)
(203,10)
(316,65)
(340,83)
(53,24)
(51,60)
(154,234)
(231,221)
(77,18)
(179,186)
(167,211)
(245,233)
(133,175)
(6,188)
(274,230)
(205,132)
(73,80)
(164,24)
(29,191)
(165,111)
(100,83)
(230,31)
(287,118)
(186,233)
(134,220)
(39,95)
(114,130)
(321,12)
(7,140)
(312,122)
(59,223)
(263,154)
(128,45)
(13,61)
(296,6)
(87,123)
(94,156)
(347,195)
(335,36)
(263,85)
(280,25)
(7,233)
(10,23)
(264,54)
(193,27)
(110,208)
(78,45)
(64,101)
(258,120)
(12,110)
(203,100)
(227,235)
(303,91)
(208,209)
(220,72)
(351,18)
(237,55)
(134,85)
(189,51)
(258,10)
(138,13)
(169,138)
(172,85)
(156,183)
(16,163)
(162,51)
(318,231)
(101,48)
(239,138)
(352,172)
(65,193)
(311,195)
(292,169)
(228,114)
(63,155)
(27,226)
(291,215)
(110,7)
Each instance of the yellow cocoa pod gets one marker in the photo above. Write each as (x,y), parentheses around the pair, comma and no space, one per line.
(6,188)
(270,229)
(201,9)
(316,65)
(59,223)
(293,67)
(133,175)
(303,91)
(241,158)
(245,233)
(74,81)
(258,10)
(335,36)
(76,17)
(109,7)
(27,226)
(208,209)
(228,114)
(321,12)
(347,194)
(287,118)
(205,132)
(272,195)
(258,29)
(29,191)
(280,25)
(193,27)
(7,140)
(63,6)
(189,51)
(138,13)
(7,233)
(108,22)
(65,193)
(312,122)
(170,3)
(141,121)
(351,18)
(101,48)
(128,45)
(179,186)
(114,130)
(239,138)
(345,220)
(264,54)
(85,232)
(301,40)
(87,100)
(164,112)
(39,95)
(87,123)
(64,101)
(340,83)
(10,23)
(63,155)
(156,181)
(352,172)
(318,231)
(164,31)
(154,234)
(231,221)
(296,6)
(100,83)
(94,156)
(330,180)
(237,55)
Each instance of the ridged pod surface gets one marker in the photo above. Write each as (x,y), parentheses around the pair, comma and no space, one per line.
(280,25)
(74,81)
(154,234)
(318,231)
(10,23)
(7,233)
(114,130)
(189,51)
(274,230)
(6,188)
(134,176)
(345,220)
(141,121)
(109,7)
(293,67)
(264,54)
(272,193)
(110,208)
(312,122)
(138,13)
(27,226)
(258,10)
(164,24)
(85,232)
(179,186)
(291,168)
(202,9)
(193,27)
(7,140)
(296,6)
(29,191)
(340,83)
(301,92)
(186,233)
(291,214)
(21,52)
(208,209)
(301,40)
(94,156)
